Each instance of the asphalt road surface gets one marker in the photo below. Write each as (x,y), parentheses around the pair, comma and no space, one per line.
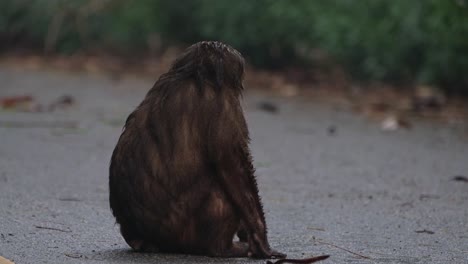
(331,181)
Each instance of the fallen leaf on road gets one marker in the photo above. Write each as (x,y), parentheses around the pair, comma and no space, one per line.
(268,107)
(22,102)
(27,103)
(331,130)
(5,261)
(460,178)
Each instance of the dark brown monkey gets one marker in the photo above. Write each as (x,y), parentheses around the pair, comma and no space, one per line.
(181,176)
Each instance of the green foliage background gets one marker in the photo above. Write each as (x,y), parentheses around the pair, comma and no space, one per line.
(399,41)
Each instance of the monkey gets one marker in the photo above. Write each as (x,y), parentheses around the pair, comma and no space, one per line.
(181,177)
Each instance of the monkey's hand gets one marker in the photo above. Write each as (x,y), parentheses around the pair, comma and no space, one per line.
(259,248)
(276,254)
(271,254)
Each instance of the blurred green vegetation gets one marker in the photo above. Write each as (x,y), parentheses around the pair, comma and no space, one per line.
(398,41)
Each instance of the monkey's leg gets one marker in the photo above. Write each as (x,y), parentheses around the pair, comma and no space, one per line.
(238,182)
(136,242)
(235,250)
(217,226)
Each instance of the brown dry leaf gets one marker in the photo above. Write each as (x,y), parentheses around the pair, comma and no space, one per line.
(5,261)
(22,102)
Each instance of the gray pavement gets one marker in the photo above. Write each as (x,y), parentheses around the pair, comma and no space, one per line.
(388,197)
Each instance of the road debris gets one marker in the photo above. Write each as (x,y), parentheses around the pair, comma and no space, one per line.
(53,228)
(425,231)
(268,107)
(344,249)
(460,178)
(27,103)
(393,123)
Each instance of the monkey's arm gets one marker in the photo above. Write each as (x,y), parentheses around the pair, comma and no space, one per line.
(228,151)
(235,172)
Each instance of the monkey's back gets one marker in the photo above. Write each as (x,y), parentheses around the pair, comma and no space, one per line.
(161,172)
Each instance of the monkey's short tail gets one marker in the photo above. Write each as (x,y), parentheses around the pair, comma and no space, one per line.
(299,261)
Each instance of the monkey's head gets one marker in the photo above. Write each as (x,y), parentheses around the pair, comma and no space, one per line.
(211,62)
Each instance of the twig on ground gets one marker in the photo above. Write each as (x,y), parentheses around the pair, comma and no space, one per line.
(53,228)
(73,255)
(349,251)
(425,231)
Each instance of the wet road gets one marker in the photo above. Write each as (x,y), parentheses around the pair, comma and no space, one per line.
(358,194)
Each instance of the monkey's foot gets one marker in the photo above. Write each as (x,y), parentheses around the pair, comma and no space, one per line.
(142,246)
(237,250)
(272,254)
